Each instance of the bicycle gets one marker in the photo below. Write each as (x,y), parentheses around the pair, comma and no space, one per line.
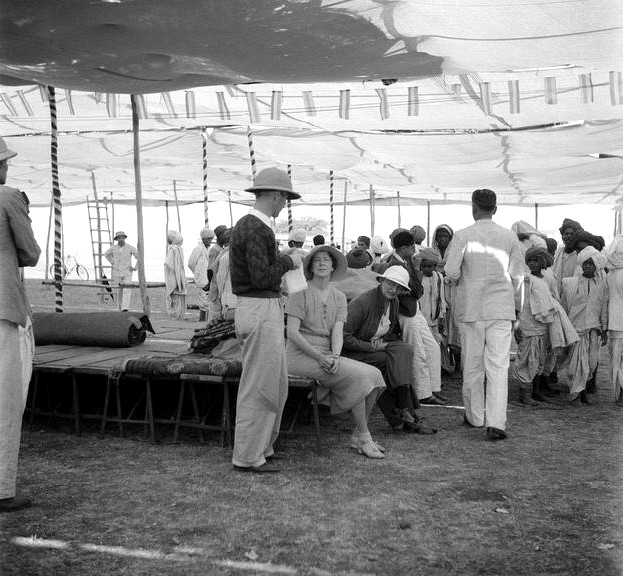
(71,265)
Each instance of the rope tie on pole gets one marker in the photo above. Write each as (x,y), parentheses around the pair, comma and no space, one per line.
(204,156)
(331,221)
(58,207)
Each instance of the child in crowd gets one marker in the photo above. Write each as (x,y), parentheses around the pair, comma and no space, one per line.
(615,315)
(433,301)
(585,299)
(532,329)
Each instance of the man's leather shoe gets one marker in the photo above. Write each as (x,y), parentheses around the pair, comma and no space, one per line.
(418,428)
(432,400)
(440,396)
(14,504)
(277,456)
(494,434)
(266,468)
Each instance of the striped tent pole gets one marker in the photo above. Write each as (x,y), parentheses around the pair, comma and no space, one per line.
(142,284)
(289,201)
(58,207)
(331,220)
(204,156)
(398,204)
(344,215)
(251,153)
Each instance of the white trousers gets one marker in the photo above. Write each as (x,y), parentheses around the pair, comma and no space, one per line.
(485,353)
(426,354)
(263,386)
(16,346)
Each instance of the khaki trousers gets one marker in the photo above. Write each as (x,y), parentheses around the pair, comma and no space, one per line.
(485,353)
(263,386)
(12,402)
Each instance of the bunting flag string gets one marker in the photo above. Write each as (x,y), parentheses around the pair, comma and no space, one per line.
(222,106)
(551,97)
(383,104)
(25,103)
(58,208)
(485,97)
(413,107)
(7,102)
(616,88)
(344,110)
(308,102)
(275,105)
(254,111)
(70,102)
(514,99)
(168,104)
(111,104)
(191,105)
(586,87)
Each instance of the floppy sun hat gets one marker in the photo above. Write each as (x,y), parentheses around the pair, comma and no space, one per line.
(120,234)
(340,270)
(397,275)
(274,179)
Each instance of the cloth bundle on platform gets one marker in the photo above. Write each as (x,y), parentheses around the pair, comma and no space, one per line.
(113,329)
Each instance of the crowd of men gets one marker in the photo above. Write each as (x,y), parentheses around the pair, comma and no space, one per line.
(454,305)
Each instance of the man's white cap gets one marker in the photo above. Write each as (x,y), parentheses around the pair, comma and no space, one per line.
(297,235)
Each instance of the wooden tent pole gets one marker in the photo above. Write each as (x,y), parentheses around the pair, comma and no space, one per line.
(372,210)
(166,226)
(428,222)
(177,207)
(58,206)
(231,214)
(344,215)
(112,217)
(536,215)
(398,204)
(139,207)
(331,219)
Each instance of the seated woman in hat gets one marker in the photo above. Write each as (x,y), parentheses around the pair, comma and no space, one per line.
(316,318)
(372,334)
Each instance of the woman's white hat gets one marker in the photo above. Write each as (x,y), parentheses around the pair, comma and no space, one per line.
(397,275)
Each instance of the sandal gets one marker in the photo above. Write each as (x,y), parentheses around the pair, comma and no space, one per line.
(370,450)
(354,444)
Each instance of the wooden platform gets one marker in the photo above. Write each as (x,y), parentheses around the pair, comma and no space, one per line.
(64,375)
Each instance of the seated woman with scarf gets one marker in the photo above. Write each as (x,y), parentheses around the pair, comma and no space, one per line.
(316,319)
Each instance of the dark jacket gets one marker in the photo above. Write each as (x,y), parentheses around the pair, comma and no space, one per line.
(364,315)
(408,303)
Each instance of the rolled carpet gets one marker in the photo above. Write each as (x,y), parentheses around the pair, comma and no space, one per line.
(111,329)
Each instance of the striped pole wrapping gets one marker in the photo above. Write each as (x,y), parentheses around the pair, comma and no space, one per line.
(344,215)
(58,207)
(251,153)
(204,156)
(290,201)
(331,221)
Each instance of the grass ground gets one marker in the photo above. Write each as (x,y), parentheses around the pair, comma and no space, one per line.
(549,500)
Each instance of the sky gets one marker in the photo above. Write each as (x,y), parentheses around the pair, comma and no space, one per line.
(595,219)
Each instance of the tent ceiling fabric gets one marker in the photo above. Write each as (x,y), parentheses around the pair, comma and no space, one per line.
(429,98)
(144,46)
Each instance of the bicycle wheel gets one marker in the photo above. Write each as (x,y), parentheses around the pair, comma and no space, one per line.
(82,272)
(63,271)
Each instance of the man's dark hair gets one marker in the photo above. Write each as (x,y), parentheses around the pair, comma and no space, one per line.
(318,240)
(485,199)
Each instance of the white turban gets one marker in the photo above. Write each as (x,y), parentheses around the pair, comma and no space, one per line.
(174,237)
(597,257)
(206,233)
